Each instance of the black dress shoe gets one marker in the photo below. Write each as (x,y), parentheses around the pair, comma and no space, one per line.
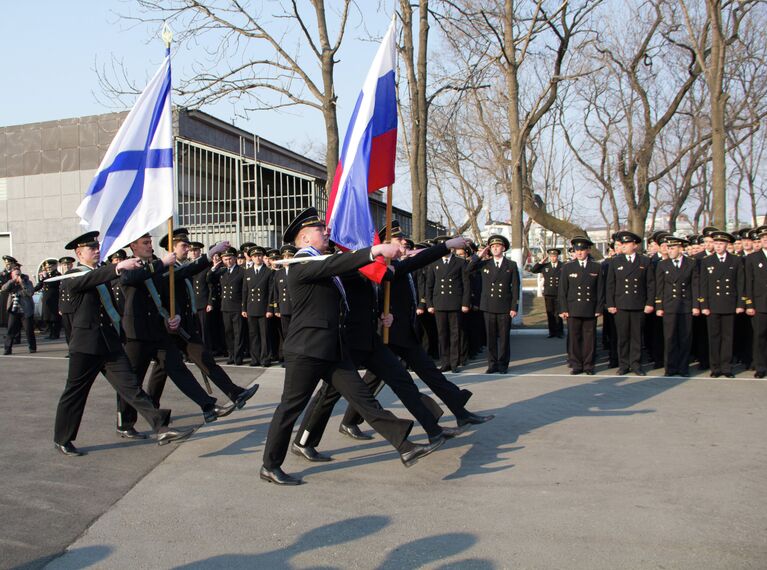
(353,432)
(238,361)
(622,371)
(411,457)
(575,372)
(639,372)
(456,369)
(245,395)
(7,353)
(589,372)
(68,449)
(267,363)
(172,435)
(713,374)
(444,368)
(446,433)
(309,453)
(473,419)
(130,433)
(729,375)
(252,363)
(503,370)
(212,414)
(613,364)
(278,477)
(760,374)
(230,360)
(491,370)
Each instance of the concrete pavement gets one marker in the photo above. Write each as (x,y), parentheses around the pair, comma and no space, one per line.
(574,472)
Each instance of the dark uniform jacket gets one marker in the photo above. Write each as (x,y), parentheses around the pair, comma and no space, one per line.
(403,298)
(92,329)
(184,274)
(231,289)
(201,288)
(722,284)
(66,305)
(50,297)
(630,286)
(141,317)
(500,285)
(447,285)
(756,281)
(315,326)
(24,292)
(280,293)
(581,290)
(551,276)
(257,291)
(676,290)
(214,287)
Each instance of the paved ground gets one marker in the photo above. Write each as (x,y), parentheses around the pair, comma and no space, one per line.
(575,472)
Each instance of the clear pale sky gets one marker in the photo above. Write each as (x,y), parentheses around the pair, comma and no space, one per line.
(50,50)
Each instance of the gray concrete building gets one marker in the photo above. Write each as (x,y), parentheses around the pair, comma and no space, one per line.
(230,184)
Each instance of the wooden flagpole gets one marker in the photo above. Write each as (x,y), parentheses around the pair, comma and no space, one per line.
(167,36)
(387,284)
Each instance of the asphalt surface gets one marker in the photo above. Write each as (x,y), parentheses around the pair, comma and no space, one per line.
(574,472)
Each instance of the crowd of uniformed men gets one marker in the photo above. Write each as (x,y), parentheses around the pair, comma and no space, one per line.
(694,298)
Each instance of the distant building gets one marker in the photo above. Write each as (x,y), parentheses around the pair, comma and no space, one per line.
(230,184)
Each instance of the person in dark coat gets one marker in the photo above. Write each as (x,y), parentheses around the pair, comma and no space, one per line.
(117,290)
(448,295)
(756,302)
(630,291)
(314,348)
(66,308)
(676,302)
(281,295)
(96,347)
(500,300)
(552,271)
(722,296)
(581,296)
(257,284)
(50,297)
(21,309)
(231,305)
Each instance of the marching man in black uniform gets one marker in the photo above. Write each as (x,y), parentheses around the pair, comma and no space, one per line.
(630,291)
(552,271)
(722,296)
(256,294)
(66,309)
(448,294)
(314,348)
(500,300)
(281,293)
(756,302)
(50,298)
(95,347)
(676,301)
(581,295)
(231,306)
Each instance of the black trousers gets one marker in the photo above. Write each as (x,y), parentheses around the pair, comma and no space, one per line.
(582,334)
(759,323)
(197,352)
(423,365)
(302,373)
(235,341)
(629,326)
(274,336)
(700,341)
(721,331)
(385,366)
(203,325)
(66,321)
(169,360)
(449,333)
(259,339)
(608,328)
(83,369)
(654,339)
(497,329)
(15,322)
(744,340)
(556,326)
(677,336)
(54,326)
(217,333)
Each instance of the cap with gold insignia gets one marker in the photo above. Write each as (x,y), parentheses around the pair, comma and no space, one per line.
(245,247)
(440,239)
(306,219)
(51,262)
(708,230)
(196,245)
(66,259)
(229,252)
(119,254)
(396,231)
(256,250)
(722,236)
(241,255)
(88,239)
(671,239)
(288,250)
(179,235)
(744,233)
(9,259)
(554,250)
(580,243)
(626,236)
(760,232)
(498,238)
(273,253)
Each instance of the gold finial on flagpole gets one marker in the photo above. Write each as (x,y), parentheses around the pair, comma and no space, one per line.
(167,34)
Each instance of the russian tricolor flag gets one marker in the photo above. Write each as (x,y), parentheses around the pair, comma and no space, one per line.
(368,154)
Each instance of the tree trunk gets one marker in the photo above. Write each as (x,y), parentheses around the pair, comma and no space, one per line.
(717,97)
